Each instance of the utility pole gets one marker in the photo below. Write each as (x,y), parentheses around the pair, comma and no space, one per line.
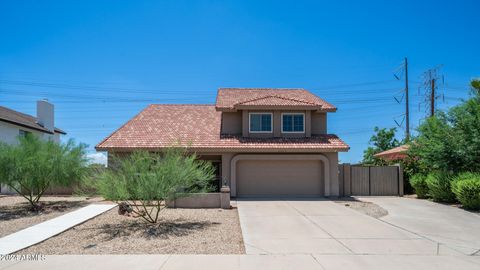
(406,116)
(432,98)
(429,86)
(407,113)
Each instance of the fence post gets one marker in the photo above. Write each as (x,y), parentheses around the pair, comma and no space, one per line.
(400,180)
(341,182)
(347,179)
(369,181)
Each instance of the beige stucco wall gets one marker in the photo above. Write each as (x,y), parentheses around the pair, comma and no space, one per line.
(319,123)
(232,123)
(331,183)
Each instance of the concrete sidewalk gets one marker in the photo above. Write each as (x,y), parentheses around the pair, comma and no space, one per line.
(235,262)
(40,232)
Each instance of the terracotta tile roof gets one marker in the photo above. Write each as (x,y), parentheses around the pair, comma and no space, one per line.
(396,153)
(198,127)
(24,120)
(229,98)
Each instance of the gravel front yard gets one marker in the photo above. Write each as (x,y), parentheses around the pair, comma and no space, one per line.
(180,231)
(15,214)
(367,208)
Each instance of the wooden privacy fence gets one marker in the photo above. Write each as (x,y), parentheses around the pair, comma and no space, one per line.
(359,180)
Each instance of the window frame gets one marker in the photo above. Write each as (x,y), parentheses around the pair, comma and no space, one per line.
(260,113)
(23,133)
(281,121)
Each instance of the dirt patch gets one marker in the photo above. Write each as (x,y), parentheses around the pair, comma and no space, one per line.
(367,208)
(15,214)
(180,231)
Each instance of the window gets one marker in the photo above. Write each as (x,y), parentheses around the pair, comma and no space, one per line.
(293,122)
(260,122)
(23,133)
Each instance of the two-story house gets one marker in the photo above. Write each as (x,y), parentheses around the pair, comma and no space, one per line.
(264,142)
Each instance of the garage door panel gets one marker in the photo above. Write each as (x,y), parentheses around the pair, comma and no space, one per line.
(280,177)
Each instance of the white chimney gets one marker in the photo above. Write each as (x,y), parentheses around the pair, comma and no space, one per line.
(45,114)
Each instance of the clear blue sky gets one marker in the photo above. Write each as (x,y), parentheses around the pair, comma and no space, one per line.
(101,62)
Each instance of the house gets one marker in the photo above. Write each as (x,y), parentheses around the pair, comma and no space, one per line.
(263,141)
(397,153)
(14,124)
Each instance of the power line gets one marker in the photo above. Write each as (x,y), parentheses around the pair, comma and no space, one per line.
(431,81)
(152,91)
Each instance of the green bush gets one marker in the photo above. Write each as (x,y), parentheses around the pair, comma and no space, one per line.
(466,187)
(33,165)
(419,184)
(439,187)
(143,180)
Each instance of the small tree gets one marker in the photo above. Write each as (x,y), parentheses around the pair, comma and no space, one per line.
(143,181)
(383,139)
(450,141)
(33,165)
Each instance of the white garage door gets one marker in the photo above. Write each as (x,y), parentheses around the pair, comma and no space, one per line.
(280,178)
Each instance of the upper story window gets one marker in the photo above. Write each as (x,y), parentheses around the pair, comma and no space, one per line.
(23,133)
(261,122)
(293,123)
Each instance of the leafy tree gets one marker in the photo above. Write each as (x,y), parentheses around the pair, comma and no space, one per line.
(450,141)
(383,139)
(33,165)
(143,181)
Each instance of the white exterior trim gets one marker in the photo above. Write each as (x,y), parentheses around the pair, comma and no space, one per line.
(281,123)
(250,118)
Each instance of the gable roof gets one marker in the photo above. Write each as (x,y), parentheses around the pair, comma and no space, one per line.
(24,120)
(396,153)
(232,98)
(199,128)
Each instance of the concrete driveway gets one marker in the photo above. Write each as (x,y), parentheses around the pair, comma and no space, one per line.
(446,225)
(323,227)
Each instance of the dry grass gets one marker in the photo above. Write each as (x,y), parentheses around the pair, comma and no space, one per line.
(15,214)
(180,231)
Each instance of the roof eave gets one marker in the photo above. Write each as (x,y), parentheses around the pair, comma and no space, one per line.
(230,149)
(26,126)
(274,107)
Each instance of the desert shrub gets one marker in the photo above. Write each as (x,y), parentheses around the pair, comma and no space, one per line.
(450,141)
(87,186)
(466,188)
(143,181)
(419,184)
(439,187)
(33,165)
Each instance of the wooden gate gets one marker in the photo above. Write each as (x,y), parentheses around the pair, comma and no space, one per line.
(359,180)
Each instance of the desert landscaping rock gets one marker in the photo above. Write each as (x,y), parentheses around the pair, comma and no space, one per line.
(180,231)
(15,214)
(367,208)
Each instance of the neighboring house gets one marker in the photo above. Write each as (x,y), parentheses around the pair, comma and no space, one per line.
(397,153)
(264,142)
(14,124)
